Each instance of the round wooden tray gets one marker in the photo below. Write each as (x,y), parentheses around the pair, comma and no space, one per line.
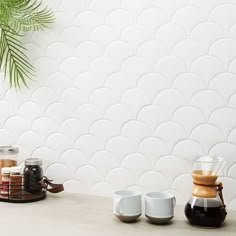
(20,196)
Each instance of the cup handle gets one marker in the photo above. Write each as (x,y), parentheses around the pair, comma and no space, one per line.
(174,200)
(117,206)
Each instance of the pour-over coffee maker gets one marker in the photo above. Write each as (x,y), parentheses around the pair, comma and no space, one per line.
(206,206)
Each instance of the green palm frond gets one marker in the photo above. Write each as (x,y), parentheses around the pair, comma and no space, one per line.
(16,17)
(13,59)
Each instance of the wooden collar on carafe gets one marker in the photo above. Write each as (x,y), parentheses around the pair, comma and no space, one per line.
(205,185)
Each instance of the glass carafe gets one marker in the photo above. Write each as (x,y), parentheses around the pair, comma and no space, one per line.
(206,206)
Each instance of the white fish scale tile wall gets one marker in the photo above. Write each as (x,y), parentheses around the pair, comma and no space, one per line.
(126,89)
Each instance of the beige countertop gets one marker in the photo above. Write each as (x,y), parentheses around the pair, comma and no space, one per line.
(67,214)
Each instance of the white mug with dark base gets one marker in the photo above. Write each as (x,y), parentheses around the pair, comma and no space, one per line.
(159,207)
(127,205)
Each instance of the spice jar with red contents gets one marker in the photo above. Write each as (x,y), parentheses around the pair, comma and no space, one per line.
(5,178)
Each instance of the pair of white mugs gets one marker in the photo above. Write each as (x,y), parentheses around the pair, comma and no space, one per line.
(159,206)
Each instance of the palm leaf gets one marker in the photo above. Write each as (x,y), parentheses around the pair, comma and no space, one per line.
(17,16)
(14,61)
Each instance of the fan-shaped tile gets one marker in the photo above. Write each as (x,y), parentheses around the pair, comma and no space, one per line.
(170,5)
(207,67)
(88,113)
(225,84)
(176,64)
(223,15)
(120,82)
(104,162)
(207,33)
(188,84)
(207,101)
(73,159)
(188,149)
(44,126)
(30,141)
(137,164)
(135,131)
(17,125)
(73,128)
(135,35)
(224,118)
(170,100)
(118,51)
(120,178)
(188,51)
(135,99)
(153,50)
(104,130)
(154,181)
(207,135)
(59,142)
(171,34)
(153,18)
(119,114)
(58,112)
(58,172)
(189,117)
(103,98)
(173,170)
(88,144)
(183,184)
(153,148)
(30,111)
(48,98)
(153,83)
(120,146)
(188,17)
(171,132)
(224,50)
(153,116)
(119,19)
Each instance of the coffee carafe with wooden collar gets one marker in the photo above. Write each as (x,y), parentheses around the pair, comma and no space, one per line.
(206,206)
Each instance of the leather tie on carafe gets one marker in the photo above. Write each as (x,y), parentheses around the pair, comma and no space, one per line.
(54,188)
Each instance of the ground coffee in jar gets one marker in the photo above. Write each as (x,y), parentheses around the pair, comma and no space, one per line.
(33,175)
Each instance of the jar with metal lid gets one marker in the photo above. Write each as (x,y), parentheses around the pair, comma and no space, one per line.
(32,175)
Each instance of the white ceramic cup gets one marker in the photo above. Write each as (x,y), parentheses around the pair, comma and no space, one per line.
(159,205)
(127,205)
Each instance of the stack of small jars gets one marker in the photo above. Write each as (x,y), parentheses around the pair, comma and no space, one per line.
(15,183)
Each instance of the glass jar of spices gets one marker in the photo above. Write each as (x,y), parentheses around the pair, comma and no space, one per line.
(32,175)
(8,156)
(5,177)
(16,181)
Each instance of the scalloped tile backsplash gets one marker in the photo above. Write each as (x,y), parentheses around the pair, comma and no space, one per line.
(125,90)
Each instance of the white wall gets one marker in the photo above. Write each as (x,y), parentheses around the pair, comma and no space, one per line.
(127,89)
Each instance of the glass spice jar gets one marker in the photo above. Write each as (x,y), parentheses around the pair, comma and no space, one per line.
(8,156)
(15,181)
(5,177)
(32,175)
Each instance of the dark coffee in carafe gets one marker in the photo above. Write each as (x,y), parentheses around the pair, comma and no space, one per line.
(206,216)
